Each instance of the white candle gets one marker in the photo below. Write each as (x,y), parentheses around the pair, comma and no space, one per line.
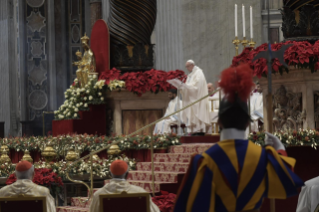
(251,23)
(236,29)
(244,27)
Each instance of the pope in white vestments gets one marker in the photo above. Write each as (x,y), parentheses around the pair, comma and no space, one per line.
(309,196)
(119,171)
(196,117)
(24,185)
(256,108)
(163,127)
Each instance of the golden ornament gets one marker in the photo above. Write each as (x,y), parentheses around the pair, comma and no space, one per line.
(4,157)
(71,155)
(4,147)
(27,157)
(114,150)
(49,153)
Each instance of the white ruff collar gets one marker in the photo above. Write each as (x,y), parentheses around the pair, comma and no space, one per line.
(232,133)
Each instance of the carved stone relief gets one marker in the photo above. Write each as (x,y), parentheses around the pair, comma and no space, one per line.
(36,21)
(35,3)
(37,74)
(288,113)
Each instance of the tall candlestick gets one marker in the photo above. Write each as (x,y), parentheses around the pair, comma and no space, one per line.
(236,29)
(251,23)
(244,27)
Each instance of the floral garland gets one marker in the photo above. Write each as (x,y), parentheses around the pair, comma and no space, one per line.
(301,54)
(79,98)
(82,143)
(101,167)
(302,137)
(141,82)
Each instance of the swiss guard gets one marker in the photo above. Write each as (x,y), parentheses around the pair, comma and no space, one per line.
(235,174)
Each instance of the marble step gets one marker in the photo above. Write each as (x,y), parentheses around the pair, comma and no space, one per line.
(172,157)
(190,148)
(162,166)
(71,209)
(169,177)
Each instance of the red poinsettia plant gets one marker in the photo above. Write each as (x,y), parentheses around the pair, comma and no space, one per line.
(301,54)
(44,177)
(141,82)
(165,202)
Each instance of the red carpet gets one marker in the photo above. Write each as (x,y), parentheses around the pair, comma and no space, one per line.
(199,139)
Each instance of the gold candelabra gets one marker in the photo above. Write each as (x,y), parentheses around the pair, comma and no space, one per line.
(244,42)
(236,42)
(252,43)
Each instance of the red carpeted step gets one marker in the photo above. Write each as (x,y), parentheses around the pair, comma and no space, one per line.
(199,139)
(162,166)
(170,177)
(190,148)
(147,185)
(71,209)
(80,202)
(172,157)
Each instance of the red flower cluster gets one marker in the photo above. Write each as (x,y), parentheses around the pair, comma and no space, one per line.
(141,82)
(165,202)
(302,54)
(44,177)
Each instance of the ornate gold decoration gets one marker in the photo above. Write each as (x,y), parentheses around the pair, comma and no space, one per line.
(95,157)
(252,43)
(86,62)
(27,157)
(236,42)
(114,150)
(4,157)
(244,42)
(49,153)
(4,147)
(71,155)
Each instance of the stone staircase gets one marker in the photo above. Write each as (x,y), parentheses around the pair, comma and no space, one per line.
(170,169)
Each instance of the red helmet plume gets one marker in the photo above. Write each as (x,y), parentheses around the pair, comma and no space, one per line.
(237,81)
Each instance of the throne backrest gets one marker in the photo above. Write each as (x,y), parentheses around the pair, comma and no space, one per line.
(23,203)
(128,202)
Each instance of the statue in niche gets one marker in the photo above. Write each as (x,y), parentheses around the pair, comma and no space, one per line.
(288,112)
(86,64)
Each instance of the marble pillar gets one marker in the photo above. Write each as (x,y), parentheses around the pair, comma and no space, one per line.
(202,31)
(96,11)
(105,10)
(9,67)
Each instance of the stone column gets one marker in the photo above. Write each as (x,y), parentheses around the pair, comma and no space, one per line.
(96,11)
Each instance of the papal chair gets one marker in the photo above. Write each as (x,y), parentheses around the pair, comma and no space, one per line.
(128,202)
(23,203)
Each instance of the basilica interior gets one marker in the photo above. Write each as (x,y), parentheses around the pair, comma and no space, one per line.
(87,83)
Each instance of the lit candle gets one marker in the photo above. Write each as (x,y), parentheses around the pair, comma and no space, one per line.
(251,23)
(244,27)
(236,29)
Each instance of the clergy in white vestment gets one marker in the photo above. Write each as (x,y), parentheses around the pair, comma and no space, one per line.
(309,196)
(163,127)
(256,108)
(119,171)
(24,185)
(197,117)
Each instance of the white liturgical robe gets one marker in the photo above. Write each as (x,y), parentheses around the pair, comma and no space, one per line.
(163,127)
(117,186)
(256,110)
(196,117)
(27,187)
(309,196)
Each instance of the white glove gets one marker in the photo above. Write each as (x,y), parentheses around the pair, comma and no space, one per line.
(273,141)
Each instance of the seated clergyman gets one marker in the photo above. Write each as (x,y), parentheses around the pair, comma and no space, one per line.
(163,127)
(119,171)
(24,185)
